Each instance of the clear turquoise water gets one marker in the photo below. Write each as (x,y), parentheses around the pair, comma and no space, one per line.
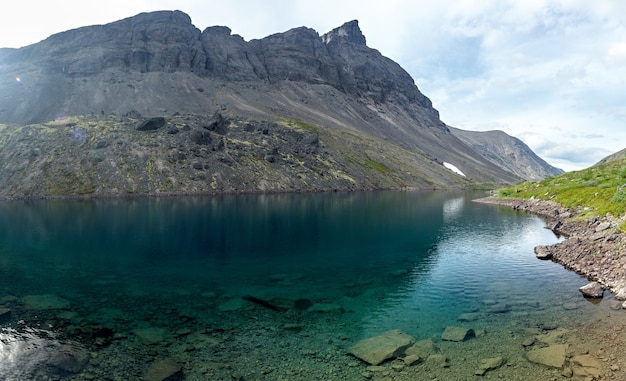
(388,260)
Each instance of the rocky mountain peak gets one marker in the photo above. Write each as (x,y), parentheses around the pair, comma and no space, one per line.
(349,32)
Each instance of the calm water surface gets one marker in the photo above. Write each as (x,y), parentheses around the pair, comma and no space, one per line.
(127,283)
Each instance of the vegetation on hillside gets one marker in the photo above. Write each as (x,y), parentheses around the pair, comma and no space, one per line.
(597,190)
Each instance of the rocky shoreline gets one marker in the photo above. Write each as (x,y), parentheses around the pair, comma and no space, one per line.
(593,248)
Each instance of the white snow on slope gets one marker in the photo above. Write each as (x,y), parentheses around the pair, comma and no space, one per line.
(453,168)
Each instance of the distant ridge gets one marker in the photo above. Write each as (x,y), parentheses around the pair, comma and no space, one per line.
(508,152)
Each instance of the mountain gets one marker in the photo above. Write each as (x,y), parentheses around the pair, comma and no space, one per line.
(613,157)
(150,104)
(508,152)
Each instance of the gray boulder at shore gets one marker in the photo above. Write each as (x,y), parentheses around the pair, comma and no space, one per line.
(592,290)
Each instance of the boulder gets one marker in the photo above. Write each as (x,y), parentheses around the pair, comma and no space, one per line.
(542,252)
(453,333)
(164,370)
(470,316)
(69,359)
(45,302)
(489,364)
(5,315)
(375,350)
(150,336)
(552,356)
(325,307)
(592,290)
(438,360)
(422,348)
(553,336)
(151,124)
(218,124)
(585,365)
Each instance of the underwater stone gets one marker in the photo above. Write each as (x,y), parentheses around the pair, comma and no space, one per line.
(70,358)
(151,335)
(375,350)
(453,333)
(551,356)
(5,315)
(45,302)
(164,370)
(585,365)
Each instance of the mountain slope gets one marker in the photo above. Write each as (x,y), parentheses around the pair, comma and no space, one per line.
(363,108)
(508,152)
(616,156)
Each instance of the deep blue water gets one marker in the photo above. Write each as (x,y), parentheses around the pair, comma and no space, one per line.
(390,260)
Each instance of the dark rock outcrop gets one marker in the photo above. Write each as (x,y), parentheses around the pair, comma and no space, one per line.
(150,124)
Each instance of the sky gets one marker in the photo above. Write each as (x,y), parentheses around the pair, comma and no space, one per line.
(551,73)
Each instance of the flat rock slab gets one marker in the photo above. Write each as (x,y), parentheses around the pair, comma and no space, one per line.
(5,315)
(150,336)
(470,316)
(489,364)
(45,302)
(453,333)
(542,252)
(585,365)
(164,370)
(375,350)
(552,356)
(325,307)
(70,359)
(592,290)
(422,348)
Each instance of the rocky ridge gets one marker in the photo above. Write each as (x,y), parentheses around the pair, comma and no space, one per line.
(159,65)
(508,152)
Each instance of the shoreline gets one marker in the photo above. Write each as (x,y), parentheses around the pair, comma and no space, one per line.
(593,248)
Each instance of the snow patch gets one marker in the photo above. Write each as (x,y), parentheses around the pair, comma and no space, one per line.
(453,168)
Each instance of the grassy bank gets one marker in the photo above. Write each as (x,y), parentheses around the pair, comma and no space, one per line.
(597,190)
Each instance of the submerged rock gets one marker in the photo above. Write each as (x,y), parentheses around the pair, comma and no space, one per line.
(325,307)
(470,316)
(45,302)
(70,359)
(585,365)
(552,356)
(438,360)
(489,364)
(422,348)
(453,333)
(375,350)
(5,315)
(150,336)
(164,370)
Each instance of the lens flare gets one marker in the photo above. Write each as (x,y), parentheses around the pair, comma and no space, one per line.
(18,79)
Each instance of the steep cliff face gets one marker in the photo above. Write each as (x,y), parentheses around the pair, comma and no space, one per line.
(160,65)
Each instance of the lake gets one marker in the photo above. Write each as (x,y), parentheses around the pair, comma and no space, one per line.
(279,287)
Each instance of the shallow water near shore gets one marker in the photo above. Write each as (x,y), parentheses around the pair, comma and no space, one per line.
(279,287)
